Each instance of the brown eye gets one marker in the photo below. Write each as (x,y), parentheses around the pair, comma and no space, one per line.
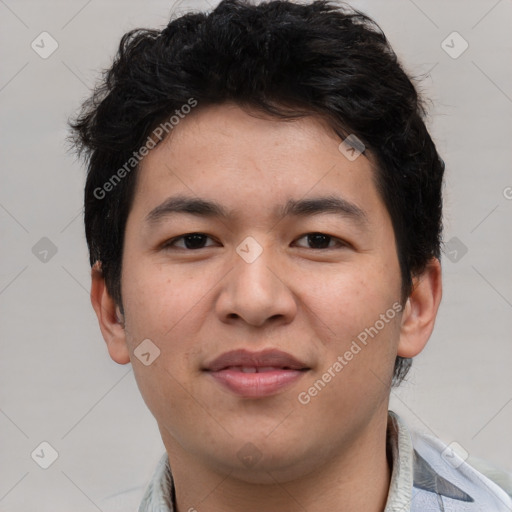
(189,241)
(320,241)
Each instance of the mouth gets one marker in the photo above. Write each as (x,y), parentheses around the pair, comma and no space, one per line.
(256,369)
(256,374)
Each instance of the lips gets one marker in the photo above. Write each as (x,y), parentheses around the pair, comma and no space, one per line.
(260,360)
(256,374)
(255,369)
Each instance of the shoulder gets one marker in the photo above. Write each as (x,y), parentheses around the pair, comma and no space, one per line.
(448,470)
(156,495)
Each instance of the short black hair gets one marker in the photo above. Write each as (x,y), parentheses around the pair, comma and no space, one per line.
(286,59)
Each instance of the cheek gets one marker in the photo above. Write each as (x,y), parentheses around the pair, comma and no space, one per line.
(352,298)
(168,310)
(157,300)
(161,308)
(358,308)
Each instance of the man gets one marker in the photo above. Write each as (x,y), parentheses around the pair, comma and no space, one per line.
(263,214)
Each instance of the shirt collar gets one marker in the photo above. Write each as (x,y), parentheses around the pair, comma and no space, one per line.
(399,446)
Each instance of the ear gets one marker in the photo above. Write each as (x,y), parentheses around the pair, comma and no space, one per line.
(421,310)
(109,317)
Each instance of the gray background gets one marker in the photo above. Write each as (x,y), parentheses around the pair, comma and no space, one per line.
(57,383)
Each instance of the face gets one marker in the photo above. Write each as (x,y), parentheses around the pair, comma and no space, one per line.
(259,242)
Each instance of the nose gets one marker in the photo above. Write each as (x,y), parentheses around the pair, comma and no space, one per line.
(256,293)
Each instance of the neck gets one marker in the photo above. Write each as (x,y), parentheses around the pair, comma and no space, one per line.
(351,480)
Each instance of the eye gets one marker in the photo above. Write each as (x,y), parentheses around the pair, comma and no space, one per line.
(189,241)
(321,241)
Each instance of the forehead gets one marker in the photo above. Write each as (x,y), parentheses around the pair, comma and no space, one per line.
(239,156)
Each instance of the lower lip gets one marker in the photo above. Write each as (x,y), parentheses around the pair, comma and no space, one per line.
(257,385)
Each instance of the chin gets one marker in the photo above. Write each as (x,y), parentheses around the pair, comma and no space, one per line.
(266,465)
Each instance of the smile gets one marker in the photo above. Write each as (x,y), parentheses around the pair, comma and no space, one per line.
(256,374)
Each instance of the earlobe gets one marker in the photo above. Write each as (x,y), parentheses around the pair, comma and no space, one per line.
(420,311)
(109,318)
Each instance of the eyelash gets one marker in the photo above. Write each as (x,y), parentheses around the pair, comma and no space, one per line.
(169,244)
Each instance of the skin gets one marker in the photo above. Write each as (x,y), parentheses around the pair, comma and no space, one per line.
(195,304)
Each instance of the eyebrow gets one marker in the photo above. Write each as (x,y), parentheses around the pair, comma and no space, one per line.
(299,208)
(328,204)
(184,204)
